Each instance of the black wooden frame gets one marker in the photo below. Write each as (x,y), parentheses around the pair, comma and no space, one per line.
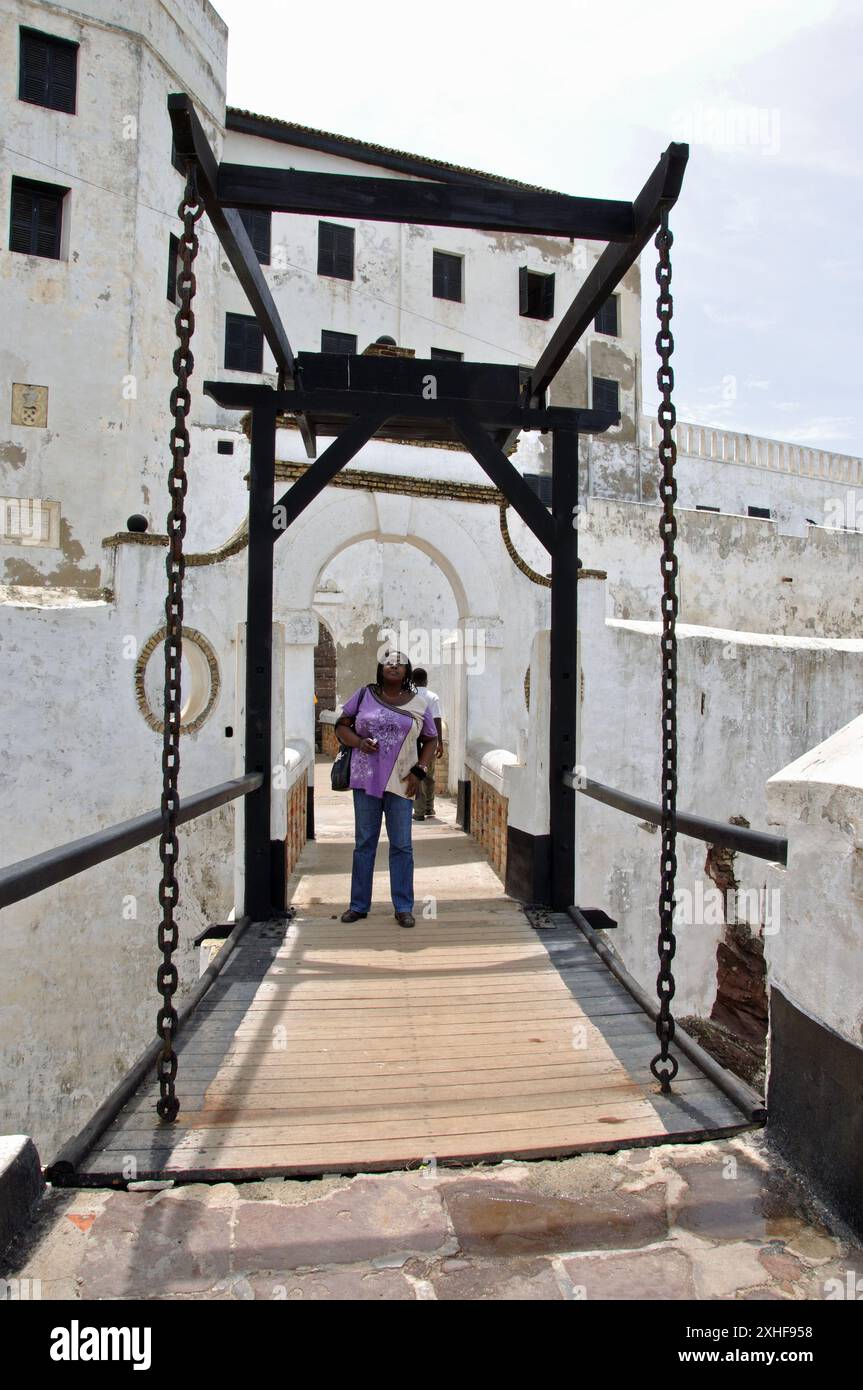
(486,427)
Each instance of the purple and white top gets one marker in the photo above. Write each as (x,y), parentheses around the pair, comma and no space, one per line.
(396,728)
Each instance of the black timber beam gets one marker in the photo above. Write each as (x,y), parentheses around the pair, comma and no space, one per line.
(661,191)
(479,206)
(191,142)
(239,395)
(505,476)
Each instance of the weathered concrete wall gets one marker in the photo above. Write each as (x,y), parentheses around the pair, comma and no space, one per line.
(747,704)
(735,571)
(93,326)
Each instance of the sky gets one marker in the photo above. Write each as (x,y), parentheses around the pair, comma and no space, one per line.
(584,98)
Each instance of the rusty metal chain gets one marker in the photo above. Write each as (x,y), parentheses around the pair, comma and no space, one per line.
(190,210)
(664,1065)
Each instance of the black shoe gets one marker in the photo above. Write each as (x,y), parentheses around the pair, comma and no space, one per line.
(419,817)
(351,916)
(405,919)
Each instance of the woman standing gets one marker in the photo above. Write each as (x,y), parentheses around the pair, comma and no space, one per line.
(382,723)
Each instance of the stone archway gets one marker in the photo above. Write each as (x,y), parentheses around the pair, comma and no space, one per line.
(445,532)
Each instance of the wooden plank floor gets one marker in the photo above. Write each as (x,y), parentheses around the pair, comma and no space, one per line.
(324,1047)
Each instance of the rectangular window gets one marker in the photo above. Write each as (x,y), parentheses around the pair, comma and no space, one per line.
(699,507)
(606,394)
(535,294)
(338,342)
(606,319)
(540,483)
(36,222)
(446,276)
(258,223)
(445,355)
(225,446)
(47,70)
(244,343)
(335,250)
(763,512)
(173,267)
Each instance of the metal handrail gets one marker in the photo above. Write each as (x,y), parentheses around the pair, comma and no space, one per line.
(715,832)
(29,876)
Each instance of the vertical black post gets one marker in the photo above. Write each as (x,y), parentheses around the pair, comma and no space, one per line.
(564,668)
(259,660)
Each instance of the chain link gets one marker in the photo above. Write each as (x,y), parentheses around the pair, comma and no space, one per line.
(190,210)
(664,1065)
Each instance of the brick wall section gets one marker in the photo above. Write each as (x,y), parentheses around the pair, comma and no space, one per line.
(329,743)
(325,677)
(296,836)
(488,820)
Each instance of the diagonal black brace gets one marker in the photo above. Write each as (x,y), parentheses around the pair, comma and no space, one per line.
(661,191)
(191,142)
(506,477)
(293,502)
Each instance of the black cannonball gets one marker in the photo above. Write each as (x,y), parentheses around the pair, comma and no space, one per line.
(137,523)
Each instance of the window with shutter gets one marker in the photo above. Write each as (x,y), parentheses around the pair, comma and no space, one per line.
(258,223)
(335,250)
(445,355)
(447,276)
(338,342)
(606,394)
(762,512)
(244,343)
(535,294)
(540,483)
(48,70)
(606,319)
(36,220)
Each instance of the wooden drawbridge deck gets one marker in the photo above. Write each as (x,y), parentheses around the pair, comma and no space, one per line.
(475,1036)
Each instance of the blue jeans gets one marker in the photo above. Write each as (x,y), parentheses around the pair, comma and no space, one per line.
(369,811)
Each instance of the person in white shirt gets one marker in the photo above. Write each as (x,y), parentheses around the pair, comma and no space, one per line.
(424,804)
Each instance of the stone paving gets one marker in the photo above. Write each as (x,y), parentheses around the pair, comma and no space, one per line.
(720,1220)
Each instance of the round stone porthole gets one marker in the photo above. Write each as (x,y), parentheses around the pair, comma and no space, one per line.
(199,680)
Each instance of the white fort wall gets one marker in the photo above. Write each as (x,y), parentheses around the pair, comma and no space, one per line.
(748,704)
(95,327)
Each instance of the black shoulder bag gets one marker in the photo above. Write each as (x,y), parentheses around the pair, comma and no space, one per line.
(340,772)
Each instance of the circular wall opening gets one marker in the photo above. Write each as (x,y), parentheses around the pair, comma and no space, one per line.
(199,677)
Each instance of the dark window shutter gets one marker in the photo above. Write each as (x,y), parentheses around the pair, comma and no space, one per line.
(548,297)
(540,483)
(335,250)
(344,343)
(48,71)
(535,294)
(173,256)
(763,512)
(606,394)
(446,276)
(523,294)
(258,223)
(36,218)
(606,319)
(446,355)
(244,343)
